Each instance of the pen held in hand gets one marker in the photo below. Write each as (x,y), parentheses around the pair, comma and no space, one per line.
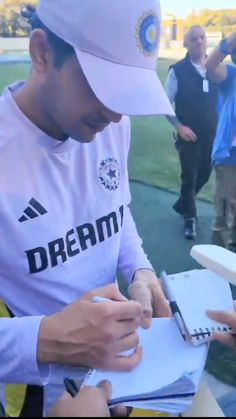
(71,387)
(173,305)
(98,299)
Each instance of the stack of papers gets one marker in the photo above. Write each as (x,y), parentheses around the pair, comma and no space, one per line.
(168,376)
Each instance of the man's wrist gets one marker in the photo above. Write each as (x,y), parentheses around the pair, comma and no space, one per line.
(47,343)
(174,121)
(225,47)
(143,274)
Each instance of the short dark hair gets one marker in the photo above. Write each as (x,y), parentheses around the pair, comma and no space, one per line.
(62,50)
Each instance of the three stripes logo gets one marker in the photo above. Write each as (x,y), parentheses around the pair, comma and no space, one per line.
(35,209)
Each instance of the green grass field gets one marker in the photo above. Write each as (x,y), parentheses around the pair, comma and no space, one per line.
(153,158)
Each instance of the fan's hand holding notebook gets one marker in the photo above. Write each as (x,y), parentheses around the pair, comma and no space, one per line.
(191,294)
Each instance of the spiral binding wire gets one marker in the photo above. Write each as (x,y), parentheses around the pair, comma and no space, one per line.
(202,333)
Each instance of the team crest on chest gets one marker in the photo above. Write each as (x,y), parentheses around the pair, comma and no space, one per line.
(109,173)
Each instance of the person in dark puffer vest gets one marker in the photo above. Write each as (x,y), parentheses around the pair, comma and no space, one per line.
(195,99)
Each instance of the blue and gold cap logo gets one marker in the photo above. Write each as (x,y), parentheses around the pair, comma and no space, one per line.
(147,33)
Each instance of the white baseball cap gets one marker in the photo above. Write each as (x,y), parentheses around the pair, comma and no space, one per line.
(117,43)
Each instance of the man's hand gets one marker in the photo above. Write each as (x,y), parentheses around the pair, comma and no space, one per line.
(93,334)
(147,290)
(186,133)
(231,41)
(224,317)
(90,402)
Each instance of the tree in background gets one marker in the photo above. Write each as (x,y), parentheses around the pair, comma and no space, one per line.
(221,22)
(12,24)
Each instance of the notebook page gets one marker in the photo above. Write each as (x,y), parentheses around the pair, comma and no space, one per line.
(166,357)
(197,291)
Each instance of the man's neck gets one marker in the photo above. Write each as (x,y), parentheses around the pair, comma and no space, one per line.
(31,104)
(199,60)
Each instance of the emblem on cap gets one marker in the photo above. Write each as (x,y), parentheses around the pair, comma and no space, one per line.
(109,173)
(147,33)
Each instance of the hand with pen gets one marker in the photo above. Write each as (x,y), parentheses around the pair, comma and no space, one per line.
(228,318)
(93,335)
(89,402)
(147,290)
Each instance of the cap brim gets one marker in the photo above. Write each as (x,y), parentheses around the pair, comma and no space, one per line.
(124,89)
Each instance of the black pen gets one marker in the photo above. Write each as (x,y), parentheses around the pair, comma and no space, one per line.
(2,411)
(71,387)
(174,307)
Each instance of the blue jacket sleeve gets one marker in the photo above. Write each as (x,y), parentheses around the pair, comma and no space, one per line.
(18,351)
(227,83)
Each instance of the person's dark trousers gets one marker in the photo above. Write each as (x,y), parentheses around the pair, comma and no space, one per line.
(195,161)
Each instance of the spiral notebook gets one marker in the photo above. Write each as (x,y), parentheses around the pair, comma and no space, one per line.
(158,383)
(193,292)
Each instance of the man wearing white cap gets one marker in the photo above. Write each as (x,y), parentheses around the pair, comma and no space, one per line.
(66,226)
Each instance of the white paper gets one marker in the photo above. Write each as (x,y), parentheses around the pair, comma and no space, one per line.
(166,359)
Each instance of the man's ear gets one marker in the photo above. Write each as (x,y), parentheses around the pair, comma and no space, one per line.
(40,52)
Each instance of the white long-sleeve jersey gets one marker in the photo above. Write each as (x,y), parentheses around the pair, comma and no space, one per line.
(65,223)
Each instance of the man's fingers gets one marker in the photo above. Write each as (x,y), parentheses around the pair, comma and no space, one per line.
(120,411)
(161,304)
(143,295)
(65,397)
(119,310)
(193,138)
(106,389)
(127,327)
(223,317)
(111,292)
(127,342)
(127,363)
(225,338)
(126,310)
(146,319)
(192,135)
(187,134)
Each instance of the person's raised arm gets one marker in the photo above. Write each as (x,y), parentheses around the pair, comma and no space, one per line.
(216,69)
